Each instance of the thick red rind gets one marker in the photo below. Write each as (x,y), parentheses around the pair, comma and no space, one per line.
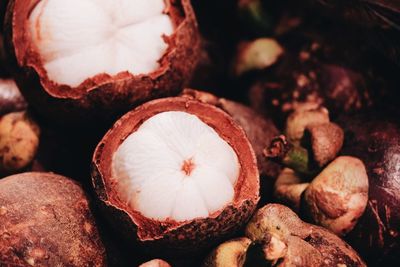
(103,97)
(45,219)
(170,235)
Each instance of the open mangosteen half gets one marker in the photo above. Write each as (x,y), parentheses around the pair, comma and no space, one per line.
(176,174)
(83,60)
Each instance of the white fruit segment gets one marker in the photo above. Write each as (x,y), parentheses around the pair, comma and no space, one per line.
(78,39)
(175,166)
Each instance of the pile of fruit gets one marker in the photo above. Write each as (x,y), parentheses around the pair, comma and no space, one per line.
(199,133)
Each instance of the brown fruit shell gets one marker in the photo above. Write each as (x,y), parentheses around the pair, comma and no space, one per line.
(45,221)
(102,97)
(177,237)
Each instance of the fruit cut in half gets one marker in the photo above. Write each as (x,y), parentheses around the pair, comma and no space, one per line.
(176,173)
(96,58)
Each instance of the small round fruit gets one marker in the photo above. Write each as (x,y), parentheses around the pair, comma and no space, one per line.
(19,141)
(45,221)
(85,59)
(176,173)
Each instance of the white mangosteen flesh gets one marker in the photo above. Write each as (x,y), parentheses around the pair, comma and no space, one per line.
(79,39)
(175,167)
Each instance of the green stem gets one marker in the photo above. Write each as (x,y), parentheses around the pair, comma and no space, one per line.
(290,155)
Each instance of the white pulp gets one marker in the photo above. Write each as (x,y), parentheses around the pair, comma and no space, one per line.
(78,39)
(175,166)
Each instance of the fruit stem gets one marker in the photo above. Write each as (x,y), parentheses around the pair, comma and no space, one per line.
(292,156)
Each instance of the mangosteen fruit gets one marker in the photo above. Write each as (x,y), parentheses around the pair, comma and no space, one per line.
(91,61)
(375,139)
(176,175)
(19,142)
(45,221)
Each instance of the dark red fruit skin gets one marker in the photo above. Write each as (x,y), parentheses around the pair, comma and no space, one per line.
(169,238)
(375,139)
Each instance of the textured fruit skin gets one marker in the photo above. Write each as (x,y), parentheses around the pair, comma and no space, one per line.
(103,97)
(45,221)
(305,244)
(375,139)
(170,237)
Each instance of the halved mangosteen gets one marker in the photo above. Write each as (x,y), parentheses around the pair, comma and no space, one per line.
(83,60)
(176,174)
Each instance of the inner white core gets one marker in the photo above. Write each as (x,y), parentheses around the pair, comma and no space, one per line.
(175,167)
(78,39)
